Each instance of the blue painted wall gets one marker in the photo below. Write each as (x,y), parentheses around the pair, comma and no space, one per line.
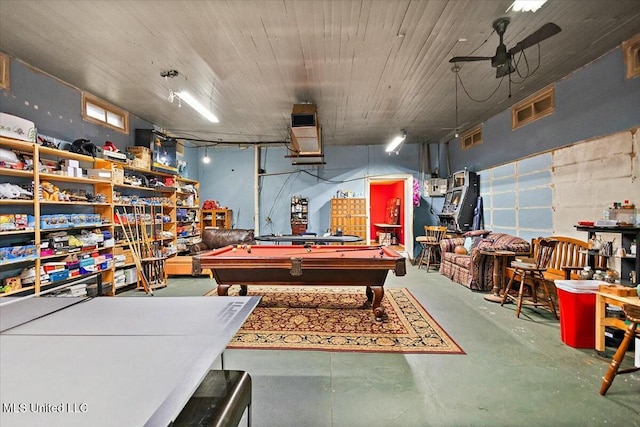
(594,101)
(229,179)
(56,108)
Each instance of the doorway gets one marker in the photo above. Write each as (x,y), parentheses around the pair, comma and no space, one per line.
(381,189)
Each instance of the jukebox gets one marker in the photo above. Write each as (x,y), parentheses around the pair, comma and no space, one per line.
(460,201)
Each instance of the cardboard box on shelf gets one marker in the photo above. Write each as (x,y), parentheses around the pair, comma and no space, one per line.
(105,174)
(142,163)
(143,157)
(139,151)
(118,175)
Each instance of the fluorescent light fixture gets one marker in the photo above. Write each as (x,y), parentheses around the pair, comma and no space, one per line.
(186,97)
(526,5)
(395,143)
(206,158)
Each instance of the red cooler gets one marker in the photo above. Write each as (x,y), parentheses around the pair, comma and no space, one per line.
(577,300)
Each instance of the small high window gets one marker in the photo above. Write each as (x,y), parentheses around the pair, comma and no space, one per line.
(5,66)
(471,138)
(631,53)
(97,111)
(533,108)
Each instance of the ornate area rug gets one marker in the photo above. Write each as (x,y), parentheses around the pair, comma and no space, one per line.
(335,319)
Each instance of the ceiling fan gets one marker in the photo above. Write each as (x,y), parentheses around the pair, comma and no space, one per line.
(502,60)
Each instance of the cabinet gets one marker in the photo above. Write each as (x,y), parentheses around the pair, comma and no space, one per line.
(217,218)
(628,263)
(349,215)
(64,222)
(299,215)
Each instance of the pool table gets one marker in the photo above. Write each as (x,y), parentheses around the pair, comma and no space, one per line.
(315,265)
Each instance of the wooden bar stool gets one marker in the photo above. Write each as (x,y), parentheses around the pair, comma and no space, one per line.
(430,244)
(530,272)
(633,315)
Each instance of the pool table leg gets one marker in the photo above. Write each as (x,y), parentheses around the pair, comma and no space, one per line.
(223,290)
(374,296)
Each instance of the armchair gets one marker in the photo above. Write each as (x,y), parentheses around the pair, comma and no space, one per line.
(215,238)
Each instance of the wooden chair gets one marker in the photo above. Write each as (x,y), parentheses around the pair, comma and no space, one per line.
(530,272)
(430,244)
(632,312)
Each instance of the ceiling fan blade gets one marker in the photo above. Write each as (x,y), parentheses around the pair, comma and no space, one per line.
(546,31)
(469,58)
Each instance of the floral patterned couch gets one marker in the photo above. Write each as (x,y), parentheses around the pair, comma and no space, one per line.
(474,270)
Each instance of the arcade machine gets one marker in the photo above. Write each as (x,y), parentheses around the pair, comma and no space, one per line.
(460,202)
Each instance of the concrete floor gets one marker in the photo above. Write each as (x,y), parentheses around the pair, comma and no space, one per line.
(516,372)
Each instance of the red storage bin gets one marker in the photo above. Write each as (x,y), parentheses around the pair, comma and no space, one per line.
(577,300)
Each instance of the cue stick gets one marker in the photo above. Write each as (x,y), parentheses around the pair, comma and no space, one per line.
(139,224)
(134,252)
(372,248)
(145,238)
(153,271)
(136,260)
(138,249)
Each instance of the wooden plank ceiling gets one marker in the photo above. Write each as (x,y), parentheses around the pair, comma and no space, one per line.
(372,67)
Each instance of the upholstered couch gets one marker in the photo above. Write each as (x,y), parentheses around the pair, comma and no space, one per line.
(472,269)
(215,238)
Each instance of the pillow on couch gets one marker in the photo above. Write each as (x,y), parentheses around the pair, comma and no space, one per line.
(468,243)
(460,250)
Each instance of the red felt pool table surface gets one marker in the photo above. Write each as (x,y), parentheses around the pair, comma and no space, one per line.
(297,265)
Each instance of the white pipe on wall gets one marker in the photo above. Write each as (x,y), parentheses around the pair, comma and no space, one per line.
(256,190)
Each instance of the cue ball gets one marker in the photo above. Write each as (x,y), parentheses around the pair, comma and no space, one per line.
(234,249)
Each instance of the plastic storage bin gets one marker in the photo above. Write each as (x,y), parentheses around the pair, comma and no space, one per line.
(577,301)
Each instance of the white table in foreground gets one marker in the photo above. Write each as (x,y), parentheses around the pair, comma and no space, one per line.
(113,361)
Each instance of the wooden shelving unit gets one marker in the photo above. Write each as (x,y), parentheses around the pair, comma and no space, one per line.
(189,225)
(299,215)
(217,218)
(161,202)
(42,212)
